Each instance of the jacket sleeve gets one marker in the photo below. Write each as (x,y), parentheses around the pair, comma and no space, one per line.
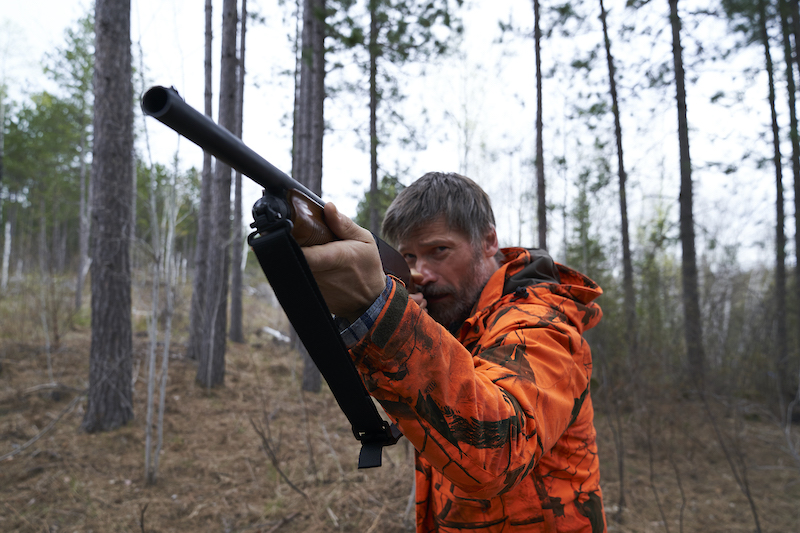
(483,420)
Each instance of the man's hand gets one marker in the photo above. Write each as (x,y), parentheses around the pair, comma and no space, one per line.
(348,272)
(417,297)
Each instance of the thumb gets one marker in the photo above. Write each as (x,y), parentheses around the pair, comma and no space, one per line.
(343,227)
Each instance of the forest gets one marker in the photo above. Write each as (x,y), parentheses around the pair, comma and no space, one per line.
(149,379)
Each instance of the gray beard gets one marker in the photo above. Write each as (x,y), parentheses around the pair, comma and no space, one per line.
(452,315)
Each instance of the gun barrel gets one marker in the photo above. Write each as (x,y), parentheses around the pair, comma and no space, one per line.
(167,106)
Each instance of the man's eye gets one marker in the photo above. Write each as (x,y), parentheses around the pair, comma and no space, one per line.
(409,257)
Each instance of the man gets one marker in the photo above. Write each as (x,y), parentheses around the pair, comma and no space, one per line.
(484,370)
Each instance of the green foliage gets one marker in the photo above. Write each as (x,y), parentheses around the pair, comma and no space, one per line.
(388,189)
(72,67)
(187,188)
(743,18)
(41,143)
(41,165)
(47,136)
(406,32)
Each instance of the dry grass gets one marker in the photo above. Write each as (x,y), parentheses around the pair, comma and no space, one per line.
(215,476)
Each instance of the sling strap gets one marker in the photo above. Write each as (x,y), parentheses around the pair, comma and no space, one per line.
(288,273)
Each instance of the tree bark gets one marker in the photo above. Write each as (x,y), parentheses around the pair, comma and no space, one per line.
(781,350)
(110,391)
(236,331)
(627,264)
(791,12)
(211,365)
(693,327)
(196,313)
(374,223)
(310,132)
(540,183)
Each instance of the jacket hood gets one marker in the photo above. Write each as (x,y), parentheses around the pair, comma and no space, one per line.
(524,268)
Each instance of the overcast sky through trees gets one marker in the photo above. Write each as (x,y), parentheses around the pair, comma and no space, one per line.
(488,92)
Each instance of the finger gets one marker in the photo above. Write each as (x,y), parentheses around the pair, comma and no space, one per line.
(419,300)
(343,227)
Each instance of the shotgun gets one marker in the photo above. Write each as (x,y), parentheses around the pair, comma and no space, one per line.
(301,205)
(288,215)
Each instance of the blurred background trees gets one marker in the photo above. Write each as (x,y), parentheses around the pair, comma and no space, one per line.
(696,252)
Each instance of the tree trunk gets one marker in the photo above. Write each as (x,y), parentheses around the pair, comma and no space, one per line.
(374,223)
(540,185)
(110,391)
(6,256)
(2,136)
(236,332)
(693,327)
(310,132)
(196,313)
(7,231)
(155,240)
(627,264)
(6,240)
(790,11)
(211,365)
(83,214)
(781,355)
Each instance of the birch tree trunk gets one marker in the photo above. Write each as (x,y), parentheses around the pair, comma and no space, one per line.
(110,391)
(7,233)
(83,231)
(6,256)
(155,241)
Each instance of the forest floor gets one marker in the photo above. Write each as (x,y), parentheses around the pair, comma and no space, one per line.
(214,473)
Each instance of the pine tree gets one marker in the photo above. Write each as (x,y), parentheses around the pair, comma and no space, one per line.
(110,386)
(198,305)
(211,364)
(693,327)
(237,251)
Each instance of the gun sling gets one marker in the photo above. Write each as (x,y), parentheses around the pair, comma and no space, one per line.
(288,272)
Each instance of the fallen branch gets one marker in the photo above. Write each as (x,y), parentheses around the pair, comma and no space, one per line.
(375,522)
(274,459)
(141,516)
(50,386)
(45,430)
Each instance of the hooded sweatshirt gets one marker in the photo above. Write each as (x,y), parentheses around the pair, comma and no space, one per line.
(500,413)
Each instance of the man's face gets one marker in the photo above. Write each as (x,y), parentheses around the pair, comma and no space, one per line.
(448,269)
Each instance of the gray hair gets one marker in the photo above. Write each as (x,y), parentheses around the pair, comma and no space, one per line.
(459,200)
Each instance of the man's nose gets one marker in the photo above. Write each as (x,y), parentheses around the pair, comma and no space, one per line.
(422,275)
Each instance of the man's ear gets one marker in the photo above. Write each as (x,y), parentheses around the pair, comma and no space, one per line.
(490,243)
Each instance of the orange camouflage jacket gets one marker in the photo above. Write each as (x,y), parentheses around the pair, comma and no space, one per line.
(501,415)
